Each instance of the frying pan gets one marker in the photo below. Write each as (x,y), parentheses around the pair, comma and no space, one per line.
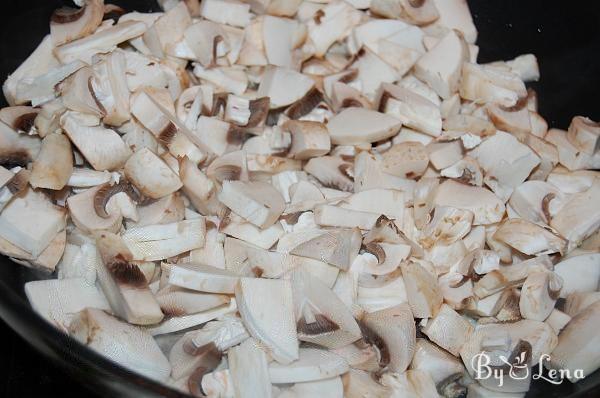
(565,36)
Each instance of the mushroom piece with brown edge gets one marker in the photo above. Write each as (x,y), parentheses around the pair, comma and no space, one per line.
(257,202)
(124,284)
(68,24)
(54,164)
(151,175)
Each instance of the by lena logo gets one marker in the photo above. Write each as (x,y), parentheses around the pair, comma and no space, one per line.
(518,369)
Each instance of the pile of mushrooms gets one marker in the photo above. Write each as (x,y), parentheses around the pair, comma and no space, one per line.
(300,198)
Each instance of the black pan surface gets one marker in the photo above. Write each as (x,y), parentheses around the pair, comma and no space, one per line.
(565,36)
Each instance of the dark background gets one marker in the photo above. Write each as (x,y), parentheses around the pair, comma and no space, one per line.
(565,36)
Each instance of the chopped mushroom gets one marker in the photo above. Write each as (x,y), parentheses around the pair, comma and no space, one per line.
(282,195)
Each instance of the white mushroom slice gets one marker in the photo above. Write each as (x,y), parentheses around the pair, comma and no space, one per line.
(78,92)
(393,331)
(448,329)
(278,39)
(103,41)
(465,170)
(283,86)
(406,159)
(267,311)
(176,301)
(412,383)
(486,207)
(54,164)
(506,162)
(411,109)
(333,216)
(378,292)
(258,202)
(529,238)
(548,157)
(178,323)
(373,71)
(190,363)
(447,226)
(577,302)
(438,363)
(539,294)
(579,217)
(360,384)
(239,228)
(584,134)
(86,178)
(313,364)
(577,349)
(82,209)
(331,171)
(309,139)
(158,242)
(203,278)
(68,24)
(336,247)
(31,221)
(231,79)
(321,317)
(129,346)
(218,384)
(389,202)
(568,154)
(360,126)
(444,154)
(19,118)
(58,300)
(580,273)
(85,134)
(166,210)
(444,77)
(515,119)
(39,62)
(537,201)
(249,370)
(230,12)
(111,88)
(124,284)
(485,83)
(151,175)
(334,23)
(167,30)
(422,290)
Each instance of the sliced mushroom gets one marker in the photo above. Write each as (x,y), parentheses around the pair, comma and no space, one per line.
(486,207)
(577,347)
(175,301)
(539,294)
(102,41)
(85,133)
(151,175)
(491,84)
(68,24)
(437,362)
(422,290)
(466,171)
(584,133)
(331,171)
(444,77)
(313,364)
(128,345)
(529,238)
(44,297)
(411,109)
(336,247)
(19,118)
(249,370)
(266,204)
(359,126)
(309,139)
(448,329)
(447,226)
(266,306)
(321,317)
(31,221)
(159,242)
(579,273)
(42,88)
(54,164)
(203,278)
(124,284)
